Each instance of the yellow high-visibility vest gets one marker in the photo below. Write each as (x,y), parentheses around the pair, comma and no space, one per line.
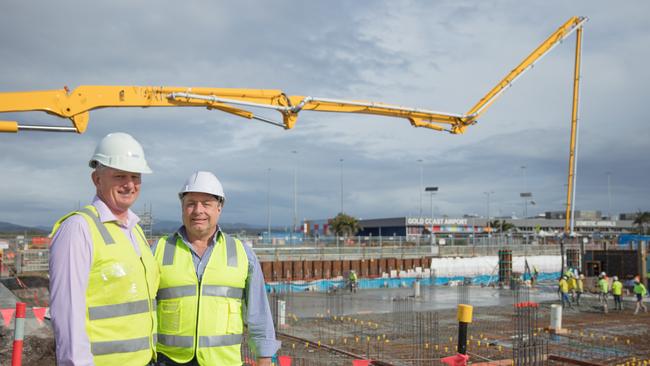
(121,295)
(201,318)
(564,286)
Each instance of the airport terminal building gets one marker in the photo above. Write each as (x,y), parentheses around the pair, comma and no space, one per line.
(586,223)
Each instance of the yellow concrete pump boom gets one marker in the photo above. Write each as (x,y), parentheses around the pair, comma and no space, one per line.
(76,104)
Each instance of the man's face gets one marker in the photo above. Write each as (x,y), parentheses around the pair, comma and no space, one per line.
(201,213)
(117,188)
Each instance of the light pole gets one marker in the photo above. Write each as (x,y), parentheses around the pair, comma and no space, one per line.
(341,170)
(609,195)
(525,195)
(487,194)
(295,194)
(268,203)
(421,183)
(431,190)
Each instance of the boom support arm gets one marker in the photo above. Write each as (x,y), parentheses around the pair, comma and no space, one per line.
(77,104)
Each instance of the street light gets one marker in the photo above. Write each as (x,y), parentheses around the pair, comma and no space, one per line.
(295,194)
(341,170)
(421,179)
(609,195)
(525,195)
(488,205)
(268,203)
(431,190)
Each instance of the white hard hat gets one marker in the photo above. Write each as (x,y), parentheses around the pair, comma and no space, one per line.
(603,274)
(120,151)
(615,278)
(203,182)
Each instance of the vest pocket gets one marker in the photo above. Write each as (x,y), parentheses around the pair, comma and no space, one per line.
(235,321)
(169,315)
(221,318)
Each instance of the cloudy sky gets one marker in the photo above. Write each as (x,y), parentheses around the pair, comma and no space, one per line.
(439,55)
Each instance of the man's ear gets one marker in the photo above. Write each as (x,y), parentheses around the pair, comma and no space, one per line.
(94,177)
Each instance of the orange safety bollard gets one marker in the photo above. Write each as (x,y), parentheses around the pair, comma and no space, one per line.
(284,360)
(19,334)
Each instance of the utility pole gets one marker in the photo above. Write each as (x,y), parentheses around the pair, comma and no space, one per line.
(295,194)
(421,183)
(487,194)
(341,170)
(609,195)
(268,203)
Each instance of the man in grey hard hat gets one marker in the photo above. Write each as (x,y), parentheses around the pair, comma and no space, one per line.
(210,286)
(103,277)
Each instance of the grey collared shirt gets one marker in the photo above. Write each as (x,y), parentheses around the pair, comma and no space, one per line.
(258,313)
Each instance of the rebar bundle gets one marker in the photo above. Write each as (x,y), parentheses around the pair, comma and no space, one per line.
(462,291)
(529,348)
(402,315)
(427,336)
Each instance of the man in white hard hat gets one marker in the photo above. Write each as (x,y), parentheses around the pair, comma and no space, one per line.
(103,277)
(210,286)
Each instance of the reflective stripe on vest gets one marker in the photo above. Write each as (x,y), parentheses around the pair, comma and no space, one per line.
(223,291)
(170,250)
(176,341)
(208,290)
(204,341)
(129,345)
(108,239)
(220,340)
(113,311)
(176,292)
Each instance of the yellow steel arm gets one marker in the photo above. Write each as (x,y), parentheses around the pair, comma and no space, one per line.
(553,40)
(76,104)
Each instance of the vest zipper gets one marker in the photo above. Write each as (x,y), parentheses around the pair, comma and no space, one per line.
(198,314)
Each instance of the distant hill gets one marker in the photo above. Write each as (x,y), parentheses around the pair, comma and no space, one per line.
(9,228)
(160,227)
(167,226)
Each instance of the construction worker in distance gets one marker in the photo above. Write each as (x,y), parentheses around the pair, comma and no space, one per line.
(103,277)
(573,285)
(580,288)
(564,291)
(210,286)
(617,292)
(352,279)
(603,289)
(640,291)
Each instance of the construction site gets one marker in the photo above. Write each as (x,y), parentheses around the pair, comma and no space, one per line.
(409,318)
(413,290)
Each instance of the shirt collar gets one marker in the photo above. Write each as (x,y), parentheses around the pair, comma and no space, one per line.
(182,233)
(105,214)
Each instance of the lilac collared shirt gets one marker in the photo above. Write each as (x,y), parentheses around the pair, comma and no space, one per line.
(258,313)
(71,255)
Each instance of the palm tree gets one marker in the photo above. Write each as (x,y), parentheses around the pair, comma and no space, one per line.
(345,225)
(502,226)
(642,220)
